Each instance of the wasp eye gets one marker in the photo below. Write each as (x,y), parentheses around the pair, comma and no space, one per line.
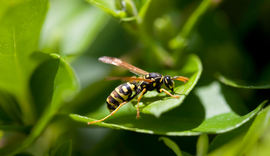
(169,82)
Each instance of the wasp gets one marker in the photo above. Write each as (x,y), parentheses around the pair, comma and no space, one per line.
(136,86)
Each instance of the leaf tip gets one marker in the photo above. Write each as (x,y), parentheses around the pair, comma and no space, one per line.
(56,56)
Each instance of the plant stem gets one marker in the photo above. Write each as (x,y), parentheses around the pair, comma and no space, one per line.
(180,41)
(194,18)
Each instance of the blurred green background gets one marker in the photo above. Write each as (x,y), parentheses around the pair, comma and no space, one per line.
(50,71)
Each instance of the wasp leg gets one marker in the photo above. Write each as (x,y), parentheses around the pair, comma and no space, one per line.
(112,113)
(139,98)
(168,93)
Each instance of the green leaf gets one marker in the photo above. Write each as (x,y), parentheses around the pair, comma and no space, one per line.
(213,115)
(172,145)
(66,85)
(69,29)
(19,32)
(144,7)
(42,82)
(157,104)
(255,141)
(65,149)
(202,145)
(65,88)
(241,83)
(219,115)
(108,6)
(256,136)
(224,138)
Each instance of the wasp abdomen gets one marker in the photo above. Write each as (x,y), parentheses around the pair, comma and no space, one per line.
(120,94)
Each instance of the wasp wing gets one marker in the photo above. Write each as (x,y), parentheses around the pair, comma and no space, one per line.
(129,79)
(119,62)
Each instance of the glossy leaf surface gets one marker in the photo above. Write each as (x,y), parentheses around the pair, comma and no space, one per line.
(254,142)
(18,41)
(65,87)
(69,29)
(241,83)
(189,121)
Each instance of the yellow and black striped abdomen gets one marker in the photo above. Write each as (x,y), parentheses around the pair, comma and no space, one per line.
(121,94)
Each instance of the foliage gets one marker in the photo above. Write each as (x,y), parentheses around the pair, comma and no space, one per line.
(51,83)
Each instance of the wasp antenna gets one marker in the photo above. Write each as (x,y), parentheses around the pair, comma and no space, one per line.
(181,78)
(113,78)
